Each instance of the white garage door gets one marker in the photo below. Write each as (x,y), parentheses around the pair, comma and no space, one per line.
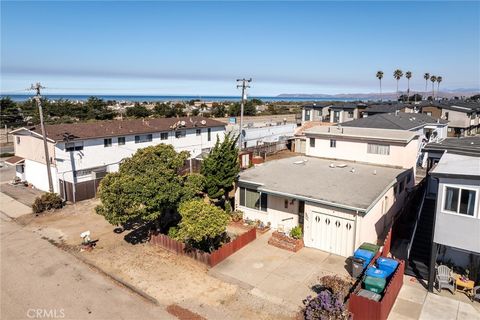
(329,233)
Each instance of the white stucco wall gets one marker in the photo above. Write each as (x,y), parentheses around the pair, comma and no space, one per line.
(355,150)
(257,136)
(36,174)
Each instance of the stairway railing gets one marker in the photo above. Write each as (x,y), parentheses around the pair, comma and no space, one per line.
(416,221)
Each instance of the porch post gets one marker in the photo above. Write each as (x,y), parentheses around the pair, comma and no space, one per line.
(431,272)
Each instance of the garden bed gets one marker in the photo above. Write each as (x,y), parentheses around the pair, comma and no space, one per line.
(282,241)
(210,259)
(246,226)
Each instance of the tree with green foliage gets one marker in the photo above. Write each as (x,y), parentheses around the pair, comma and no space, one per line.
(138,111)
(9,112)
(147,186)
(249,109)
(218,110)
(98,109)
(221,168)
(202,224)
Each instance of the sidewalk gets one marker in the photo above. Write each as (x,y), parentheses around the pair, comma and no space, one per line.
(12,208)
(415,302)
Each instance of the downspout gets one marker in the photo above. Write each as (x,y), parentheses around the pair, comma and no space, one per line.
(355,231)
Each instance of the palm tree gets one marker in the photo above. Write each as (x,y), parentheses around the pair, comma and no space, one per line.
(439,79)
(426,76)
(433,79)
(397,74)
(380,76)
(408,75)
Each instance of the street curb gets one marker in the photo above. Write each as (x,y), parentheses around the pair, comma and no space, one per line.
(119,281)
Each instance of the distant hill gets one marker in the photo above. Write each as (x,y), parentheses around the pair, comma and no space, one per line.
(374,96)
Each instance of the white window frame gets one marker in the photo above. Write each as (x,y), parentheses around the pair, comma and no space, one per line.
(456,213)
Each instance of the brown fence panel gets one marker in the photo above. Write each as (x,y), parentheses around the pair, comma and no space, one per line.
(387,243)
(210,259)
(366,309)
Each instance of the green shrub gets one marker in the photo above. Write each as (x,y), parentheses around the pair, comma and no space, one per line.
(296,232)
(47,201)
(173,233)
(228,207)
(236,215)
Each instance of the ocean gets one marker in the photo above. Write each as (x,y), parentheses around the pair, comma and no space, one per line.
(133,98)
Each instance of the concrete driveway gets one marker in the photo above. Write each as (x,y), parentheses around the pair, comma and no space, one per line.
(277,275)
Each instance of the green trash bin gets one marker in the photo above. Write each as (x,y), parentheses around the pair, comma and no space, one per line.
(370,247)
(376,285)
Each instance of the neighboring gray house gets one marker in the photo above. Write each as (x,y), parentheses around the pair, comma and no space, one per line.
(346,112)
(316,112)
(456,235)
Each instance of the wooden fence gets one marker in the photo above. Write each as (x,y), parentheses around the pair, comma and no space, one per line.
(366,309)
(210,259)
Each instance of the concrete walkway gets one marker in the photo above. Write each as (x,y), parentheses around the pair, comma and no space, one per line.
(12,208)
(415,302)
(277,275)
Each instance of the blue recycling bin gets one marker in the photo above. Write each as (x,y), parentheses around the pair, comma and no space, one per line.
(387,264)
(376,273)
(366,255)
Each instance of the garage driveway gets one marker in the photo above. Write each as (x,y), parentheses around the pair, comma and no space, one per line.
(280,276)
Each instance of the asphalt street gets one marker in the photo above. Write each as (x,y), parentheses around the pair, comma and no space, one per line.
(40,281)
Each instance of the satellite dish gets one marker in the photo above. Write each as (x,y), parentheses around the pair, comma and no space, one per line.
(183,123)
(203,122)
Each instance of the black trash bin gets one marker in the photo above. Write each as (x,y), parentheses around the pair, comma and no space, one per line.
(357,267)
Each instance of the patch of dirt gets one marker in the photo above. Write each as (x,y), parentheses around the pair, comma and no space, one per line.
(182,313)
(171,279)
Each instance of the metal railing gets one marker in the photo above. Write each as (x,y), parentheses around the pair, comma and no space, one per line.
(416,221)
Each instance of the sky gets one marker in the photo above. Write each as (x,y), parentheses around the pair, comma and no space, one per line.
(201,48)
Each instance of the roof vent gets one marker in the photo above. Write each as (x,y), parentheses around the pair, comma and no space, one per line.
(342,165)
(203,122)
(352,170)
(375,172)
(332,165)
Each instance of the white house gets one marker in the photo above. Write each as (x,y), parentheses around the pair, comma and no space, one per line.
(345,191)
(82,153)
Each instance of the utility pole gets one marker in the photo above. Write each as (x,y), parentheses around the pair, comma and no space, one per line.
(37,98)
(244,85)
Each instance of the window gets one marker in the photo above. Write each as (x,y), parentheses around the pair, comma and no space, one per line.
(73,146)
(180,133)
(252,199)
(319,113)
(446,115)
(459,200)
(350,114)
(143,138)
(18,140)
(199,132)
(301,206)
(164,136)
(209,134)
(383,149)
(121,141)
(107,142)
(333,143)
(286,203)
(307,115)
(312,142)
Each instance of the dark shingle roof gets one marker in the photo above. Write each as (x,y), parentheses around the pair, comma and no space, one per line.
(399,121)
(468,146)
(100,129)
(455,105)
(386,108)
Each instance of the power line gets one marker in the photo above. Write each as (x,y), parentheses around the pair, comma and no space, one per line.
(244,85)
(37,87)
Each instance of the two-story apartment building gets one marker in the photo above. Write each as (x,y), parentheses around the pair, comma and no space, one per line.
(456,236)
(82,153)
(339,201)
(318,112)
(373,109)
(346,112)
(463,116)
